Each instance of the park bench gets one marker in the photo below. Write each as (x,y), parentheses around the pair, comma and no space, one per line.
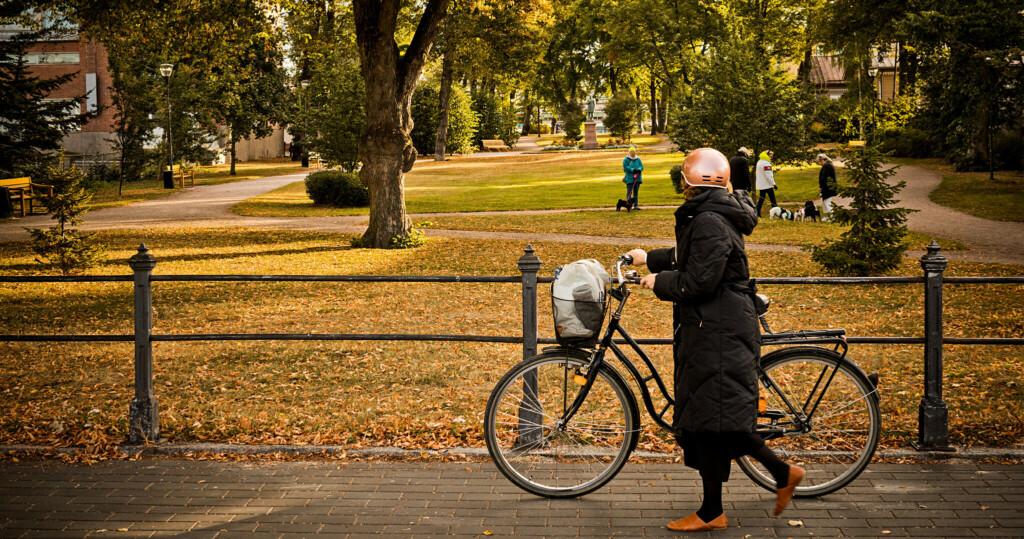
(495,145)
(25,192)
(315,161)
(181,173)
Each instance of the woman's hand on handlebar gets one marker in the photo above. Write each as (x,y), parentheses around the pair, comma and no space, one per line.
(647,281)
(639,257)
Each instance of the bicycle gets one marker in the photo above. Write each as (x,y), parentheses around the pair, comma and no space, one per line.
(563,423)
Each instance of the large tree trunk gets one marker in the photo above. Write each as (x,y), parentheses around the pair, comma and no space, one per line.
(390,77)
(441,142)
(384,152)
(233,142)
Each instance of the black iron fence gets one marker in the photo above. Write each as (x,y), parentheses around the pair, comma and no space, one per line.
(144,424)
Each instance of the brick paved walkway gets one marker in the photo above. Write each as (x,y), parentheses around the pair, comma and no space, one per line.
(294,499)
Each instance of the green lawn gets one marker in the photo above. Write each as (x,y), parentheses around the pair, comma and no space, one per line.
(653,223)
(973,193)
(106,196)
(525,182)
(416,395)
(639,140)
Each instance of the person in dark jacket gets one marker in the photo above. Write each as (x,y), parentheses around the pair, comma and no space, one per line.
(716,337)
(828,186)
(739,170)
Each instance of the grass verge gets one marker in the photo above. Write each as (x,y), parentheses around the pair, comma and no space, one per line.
(1001,199)
(653,223)
(416,395)
(105,195)
(523,182)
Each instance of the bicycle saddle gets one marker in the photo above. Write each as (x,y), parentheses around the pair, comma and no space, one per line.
(761,303)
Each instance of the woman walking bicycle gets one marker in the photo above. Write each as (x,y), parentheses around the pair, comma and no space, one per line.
(716,338)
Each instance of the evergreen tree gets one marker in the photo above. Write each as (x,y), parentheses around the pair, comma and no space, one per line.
(61,246)
(30,125)
(874,243)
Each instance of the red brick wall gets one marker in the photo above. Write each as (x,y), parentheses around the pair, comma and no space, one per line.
(93,59)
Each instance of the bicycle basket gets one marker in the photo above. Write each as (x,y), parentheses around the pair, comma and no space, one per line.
(579,302)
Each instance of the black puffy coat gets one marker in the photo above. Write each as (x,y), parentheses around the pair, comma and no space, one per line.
(739,172)
(717,341)
(827,183)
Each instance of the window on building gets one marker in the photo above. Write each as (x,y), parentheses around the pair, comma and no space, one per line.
(46,58)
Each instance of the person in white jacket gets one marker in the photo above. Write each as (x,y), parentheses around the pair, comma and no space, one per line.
(765,180)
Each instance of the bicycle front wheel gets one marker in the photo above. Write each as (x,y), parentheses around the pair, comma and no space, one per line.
(532,446)
(838,408)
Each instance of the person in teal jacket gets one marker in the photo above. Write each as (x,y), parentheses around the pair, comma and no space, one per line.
(633,168)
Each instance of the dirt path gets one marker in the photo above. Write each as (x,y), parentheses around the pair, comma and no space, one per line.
(210,207)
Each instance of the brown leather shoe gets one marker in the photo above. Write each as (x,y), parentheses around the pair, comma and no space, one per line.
(693,523)
(785,494)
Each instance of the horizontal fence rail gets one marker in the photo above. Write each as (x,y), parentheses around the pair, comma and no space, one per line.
(143,416)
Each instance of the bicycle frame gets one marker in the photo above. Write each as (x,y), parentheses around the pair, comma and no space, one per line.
(802,416)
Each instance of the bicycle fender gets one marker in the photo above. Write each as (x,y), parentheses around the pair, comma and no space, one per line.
(824,353)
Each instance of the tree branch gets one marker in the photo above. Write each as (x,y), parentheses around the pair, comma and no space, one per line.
(412,61)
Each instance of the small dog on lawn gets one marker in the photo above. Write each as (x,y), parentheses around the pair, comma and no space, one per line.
(778,212)
(809,211)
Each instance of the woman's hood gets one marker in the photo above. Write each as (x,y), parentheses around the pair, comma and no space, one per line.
(720,201)
(764,156)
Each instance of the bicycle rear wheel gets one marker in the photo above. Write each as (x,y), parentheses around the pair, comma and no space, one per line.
(531,446)
(842,433)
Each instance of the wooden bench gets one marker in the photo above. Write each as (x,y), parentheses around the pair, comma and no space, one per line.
(25,192)
(180,173)
(315,161)
(495,145)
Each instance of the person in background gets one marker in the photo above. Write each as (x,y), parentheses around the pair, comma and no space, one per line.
(765,179)
(633,168)
(716,344)
(739,166)
(828,185)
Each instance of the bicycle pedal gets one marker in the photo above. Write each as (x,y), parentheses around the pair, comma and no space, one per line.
(772,414)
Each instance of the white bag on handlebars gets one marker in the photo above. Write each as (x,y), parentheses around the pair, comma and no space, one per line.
(579,300)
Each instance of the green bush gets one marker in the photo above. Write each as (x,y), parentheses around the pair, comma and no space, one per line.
(907,142)
(426,104)
(620,115)
(1008,150)
(338,189)
(676,175)
(496,119)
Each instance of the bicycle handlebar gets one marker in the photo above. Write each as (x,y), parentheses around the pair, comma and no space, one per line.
(630,277)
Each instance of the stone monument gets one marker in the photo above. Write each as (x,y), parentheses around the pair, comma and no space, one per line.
(590,135)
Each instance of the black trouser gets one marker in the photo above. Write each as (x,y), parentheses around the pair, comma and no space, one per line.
(632,194)
(770,193)
(714,473)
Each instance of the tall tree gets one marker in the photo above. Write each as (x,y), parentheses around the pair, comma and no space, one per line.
(740,104)
(390,76)
(31,126)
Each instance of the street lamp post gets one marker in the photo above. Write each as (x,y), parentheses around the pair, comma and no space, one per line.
(305,109)
(168,175)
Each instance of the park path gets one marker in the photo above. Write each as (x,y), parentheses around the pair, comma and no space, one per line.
(164,498)
(210,207)
(1004,240)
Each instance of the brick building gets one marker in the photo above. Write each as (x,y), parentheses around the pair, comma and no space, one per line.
(72,52)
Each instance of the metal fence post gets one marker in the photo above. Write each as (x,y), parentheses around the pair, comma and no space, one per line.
(143,415)
(530,413)
(933,415)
